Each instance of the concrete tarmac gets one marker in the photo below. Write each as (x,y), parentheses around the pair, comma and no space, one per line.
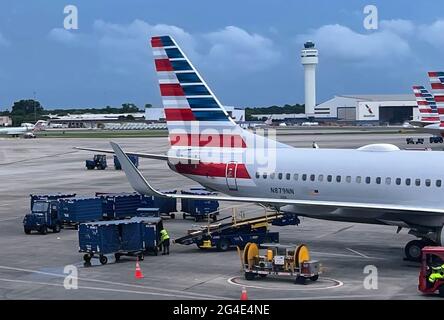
(32,266)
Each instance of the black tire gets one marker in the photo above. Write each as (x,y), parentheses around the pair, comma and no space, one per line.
(413,249)
(87,258)
(141,257)
(441,291)
(184,216)
(172,216)
(43,230)
(156,251)
(223,245)
(56,228)
(300,280)
(27,231)
(196,219)
(213,217)
(76,227)
(249,276)
(103,259)
(314,278)
(89,168)
(262,275)
(117,257)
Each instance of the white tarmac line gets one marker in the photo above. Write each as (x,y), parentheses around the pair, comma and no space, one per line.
(172,291)
(358,253)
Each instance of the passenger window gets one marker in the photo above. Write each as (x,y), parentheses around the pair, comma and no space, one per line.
(321,177)
(368,180)
(388,181)
(358,179)
(408,181)
(295,177)
(398,181)
(438,183)
(272,175)
(428,182)
(329,178)
(288,176)
(264,176)
(348,179)
(304,177)
(312,177)
(378,180)
(280,176)
(417,182)
(338,178)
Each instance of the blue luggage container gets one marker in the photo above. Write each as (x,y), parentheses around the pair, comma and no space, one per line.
(51,196)
(79,210)
(133,158)
(199,209)
(123,205)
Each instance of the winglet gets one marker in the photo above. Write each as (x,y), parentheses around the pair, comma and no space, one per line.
(134,176)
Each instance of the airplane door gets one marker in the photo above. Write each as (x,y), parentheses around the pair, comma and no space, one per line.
(230,175)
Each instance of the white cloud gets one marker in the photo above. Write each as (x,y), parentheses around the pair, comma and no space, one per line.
(237,48)
(433,34)
(398,26)
(123,47)
(342,43)
(3,41)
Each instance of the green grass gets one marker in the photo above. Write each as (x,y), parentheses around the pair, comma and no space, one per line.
(103,134)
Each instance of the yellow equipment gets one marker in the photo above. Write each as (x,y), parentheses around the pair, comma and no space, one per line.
(281,261)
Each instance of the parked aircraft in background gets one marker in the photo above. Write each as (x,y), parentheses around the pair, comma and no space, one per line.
(26,130)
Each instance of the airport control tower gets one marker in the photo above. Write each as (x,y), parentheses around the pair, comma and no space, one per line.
(309,59)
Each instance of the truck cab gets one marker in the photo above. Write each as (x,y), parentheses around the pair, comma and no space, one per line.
(43,216)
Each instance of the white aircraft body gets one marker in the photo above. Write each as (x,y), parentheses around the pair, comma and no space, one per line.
(376,184)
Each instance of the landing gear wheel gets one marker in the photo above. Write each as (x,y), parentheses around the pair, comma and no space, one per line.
(103,259)
(314,278)
(413,249)
(300,280)
(249,276)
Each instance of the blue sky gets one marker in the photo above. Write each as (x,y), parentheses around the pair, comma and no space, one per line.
(247,51)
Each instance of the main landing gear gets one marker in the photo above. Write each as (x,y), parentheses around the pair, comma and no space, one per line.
(426,238)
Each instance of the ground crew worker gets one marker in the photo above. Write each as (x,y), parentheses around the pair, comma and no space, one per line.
(165,241)
(437,274)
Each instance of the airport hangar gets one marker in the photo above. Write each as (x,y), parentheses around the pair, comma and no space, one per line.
(377,109)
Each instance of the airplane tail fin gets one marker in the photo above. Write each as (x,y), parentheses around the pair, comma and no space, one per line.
(195,117)
(437,82)
(428,111)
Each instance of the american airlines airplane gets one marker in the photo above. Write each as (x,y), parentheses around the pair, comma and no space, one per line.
(376,184)
(437,83)
(428,112)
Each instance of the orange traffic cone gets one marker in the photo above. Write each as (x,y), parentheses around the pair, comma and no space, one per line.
(138,274)
(244,294)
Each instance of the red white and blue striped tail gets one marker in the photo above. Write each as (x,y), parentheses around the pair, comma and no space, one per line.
(437,82)
(195,117)
(428,111)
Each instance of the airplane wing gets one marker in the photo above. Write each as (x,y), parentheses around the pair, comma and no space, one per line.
(163,157)
(141,185)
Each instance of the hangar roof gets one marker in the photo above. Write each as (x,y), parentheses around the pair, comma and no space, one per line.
(380,97)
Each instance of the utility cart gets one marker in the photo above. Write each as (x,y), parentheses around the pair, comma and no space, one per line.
(281,261)
(432,261)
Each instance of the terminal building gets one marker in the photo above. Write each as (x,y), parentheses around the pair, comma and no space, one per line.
(379,109)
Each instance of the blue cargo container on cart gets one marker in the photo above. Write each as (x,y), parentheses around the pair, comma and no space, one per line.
(122,205)
(199,209)
(166,206)
(126,237)
(133,158)
(78,210)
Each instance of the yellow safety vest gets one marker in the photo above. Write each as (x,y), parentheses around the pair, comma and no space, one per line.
(164,235)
